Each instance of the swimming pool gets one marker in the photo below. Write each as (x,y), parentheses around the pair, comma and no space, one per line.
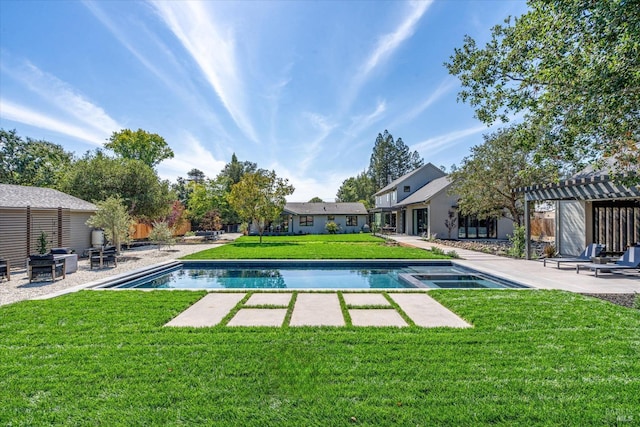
(260,274)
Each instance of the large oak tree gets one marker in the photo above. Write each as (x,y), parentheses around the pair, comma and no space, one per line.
(569,66)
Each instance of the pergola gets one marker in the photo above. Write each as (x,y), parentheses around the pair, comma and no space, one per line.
(616,206)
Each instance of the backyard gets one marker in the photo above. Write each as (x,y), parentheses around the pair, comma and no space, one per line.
(533,357)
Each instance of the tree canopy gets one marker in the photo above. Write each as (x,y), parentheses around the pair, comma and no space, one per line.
(357,189)
(260,197)
(391,159)
(96,177)
(149,148)
(486,178)
(571,67)
(112,216)
(31,162)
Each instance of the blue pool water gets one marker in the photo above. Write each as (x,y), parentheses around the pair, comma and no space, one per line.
(314,275)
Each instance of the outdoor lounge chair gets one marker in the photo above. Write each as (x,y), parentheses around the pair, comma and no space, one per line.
(630,260)
(46,265)
(5,269)
(102,257)
(592,250)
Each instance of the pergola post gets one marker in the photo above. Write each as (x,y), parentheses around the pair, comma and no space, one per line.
(527,229)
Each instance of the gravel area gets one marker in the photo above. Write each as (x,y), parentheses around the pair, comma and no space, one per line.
(19,288)
(625,300)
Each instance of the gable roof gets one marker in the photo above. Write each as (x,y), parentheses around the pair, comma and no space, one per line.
(20,196)
(394,184)
(426,192)
(308,208)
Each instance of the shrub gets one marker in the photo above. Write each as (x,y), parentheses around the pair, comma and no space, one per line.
(332,227)
(518,241)
(42,243)
(161,234)
(436,250)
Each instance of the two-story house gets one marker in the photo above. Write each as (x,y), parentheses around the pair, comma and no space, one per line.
(419,203)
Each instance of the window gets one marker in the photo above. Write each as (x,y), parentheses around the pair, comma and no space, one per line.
(352,221)
(331,217)
(470,227)
(306,221)
(407,188)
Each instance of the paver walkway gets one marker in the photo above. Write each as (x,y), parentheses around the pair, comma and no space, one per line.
(318,309)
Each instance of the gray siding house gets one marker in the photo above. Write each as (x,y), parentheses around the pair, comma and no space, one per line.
(419,202)
(311,218)
(25,212)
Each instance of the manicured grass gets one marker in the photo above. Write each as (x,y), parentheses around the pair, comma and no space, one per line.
(328,246)
(533,358)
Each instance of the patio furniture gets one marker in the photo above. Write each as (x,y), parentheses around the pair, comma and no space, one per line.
(101,257)
(593,250)
(5,269)
(629,261)
(46,265)
(71,258)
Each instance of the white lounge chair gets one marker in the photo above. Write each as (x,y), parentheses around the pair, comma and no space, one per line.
(630,260)
(592,250)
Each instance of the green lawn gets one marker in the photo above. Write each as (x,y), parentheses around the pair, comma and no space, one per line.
(533,358)
(329,246)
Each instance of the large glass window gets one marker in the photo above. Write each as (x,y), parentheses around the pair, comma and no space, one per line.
(306,221)
(470,227)
(352,221)
(331,217)
(420,221)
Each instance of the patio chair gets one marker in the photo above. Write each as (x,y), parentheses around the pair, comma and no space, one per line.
(102,257)
(593,250)
(5,269)
(46,265)
(630,260)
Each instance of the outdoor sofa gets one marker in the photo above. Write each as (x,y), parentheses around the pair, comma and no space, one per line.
(593,250)
(630,260)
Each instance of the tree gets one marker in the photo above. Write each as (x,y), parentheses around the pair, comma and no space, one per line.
(260,197)
(485,179)
(95,177)
(149,148)
(391,159)
(31,162)
(196,175)
(357,189)
(161,234)
(570,66)
(113,218)
(316,200)
(233,171)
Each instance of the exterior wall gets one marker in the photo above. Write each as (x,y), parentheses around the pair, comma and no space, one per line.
(439,207)
(417,181)
(505,228)
(570,227)
(386,200)
(81,232)
(319,222)
(13,244)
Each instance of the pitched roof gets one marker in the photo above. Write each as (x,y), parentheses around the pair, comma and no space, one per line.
(325,208)
(426,192)
(393,184)
(19,196)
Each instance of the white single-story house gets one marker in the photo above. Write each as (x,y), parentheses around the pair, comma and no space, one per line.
(312,218)
(590,207)
(25,212)
(419,203)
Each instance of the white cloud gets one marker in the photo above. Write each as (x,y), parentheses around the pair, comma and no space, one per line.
(443,88)
(307,187)
(192,155)
(323,126)
(362,122)
(21,114)
(213,49)
(439,143)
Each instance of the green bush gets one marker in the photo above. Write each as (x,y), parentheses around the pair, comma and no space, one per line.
(332,227)
(518,242)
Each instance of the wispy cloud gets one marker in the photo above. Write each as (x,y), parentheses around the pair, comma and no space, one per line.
(387,45)
(323,128)
(213,49)
(443,88)
(362,122)
(22,114)
(192,154)
(439,143)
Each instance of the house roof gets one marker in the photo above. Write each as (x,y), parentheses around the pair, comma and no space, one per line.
(394,184)
(325,208)
(19,196)
(426,192)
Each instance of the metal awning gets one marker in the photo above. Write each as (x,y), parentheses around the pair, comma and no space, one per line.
(600,187)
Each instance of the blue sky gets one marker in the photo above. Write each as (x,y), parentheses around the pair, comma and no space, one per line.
(301,87)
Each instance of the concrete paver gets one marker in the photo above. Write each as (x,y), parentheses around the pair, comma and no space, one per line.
(317,310)
(274,298)
(258,317)
(364,299)
(376,317)
(208,311)
(427,312)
